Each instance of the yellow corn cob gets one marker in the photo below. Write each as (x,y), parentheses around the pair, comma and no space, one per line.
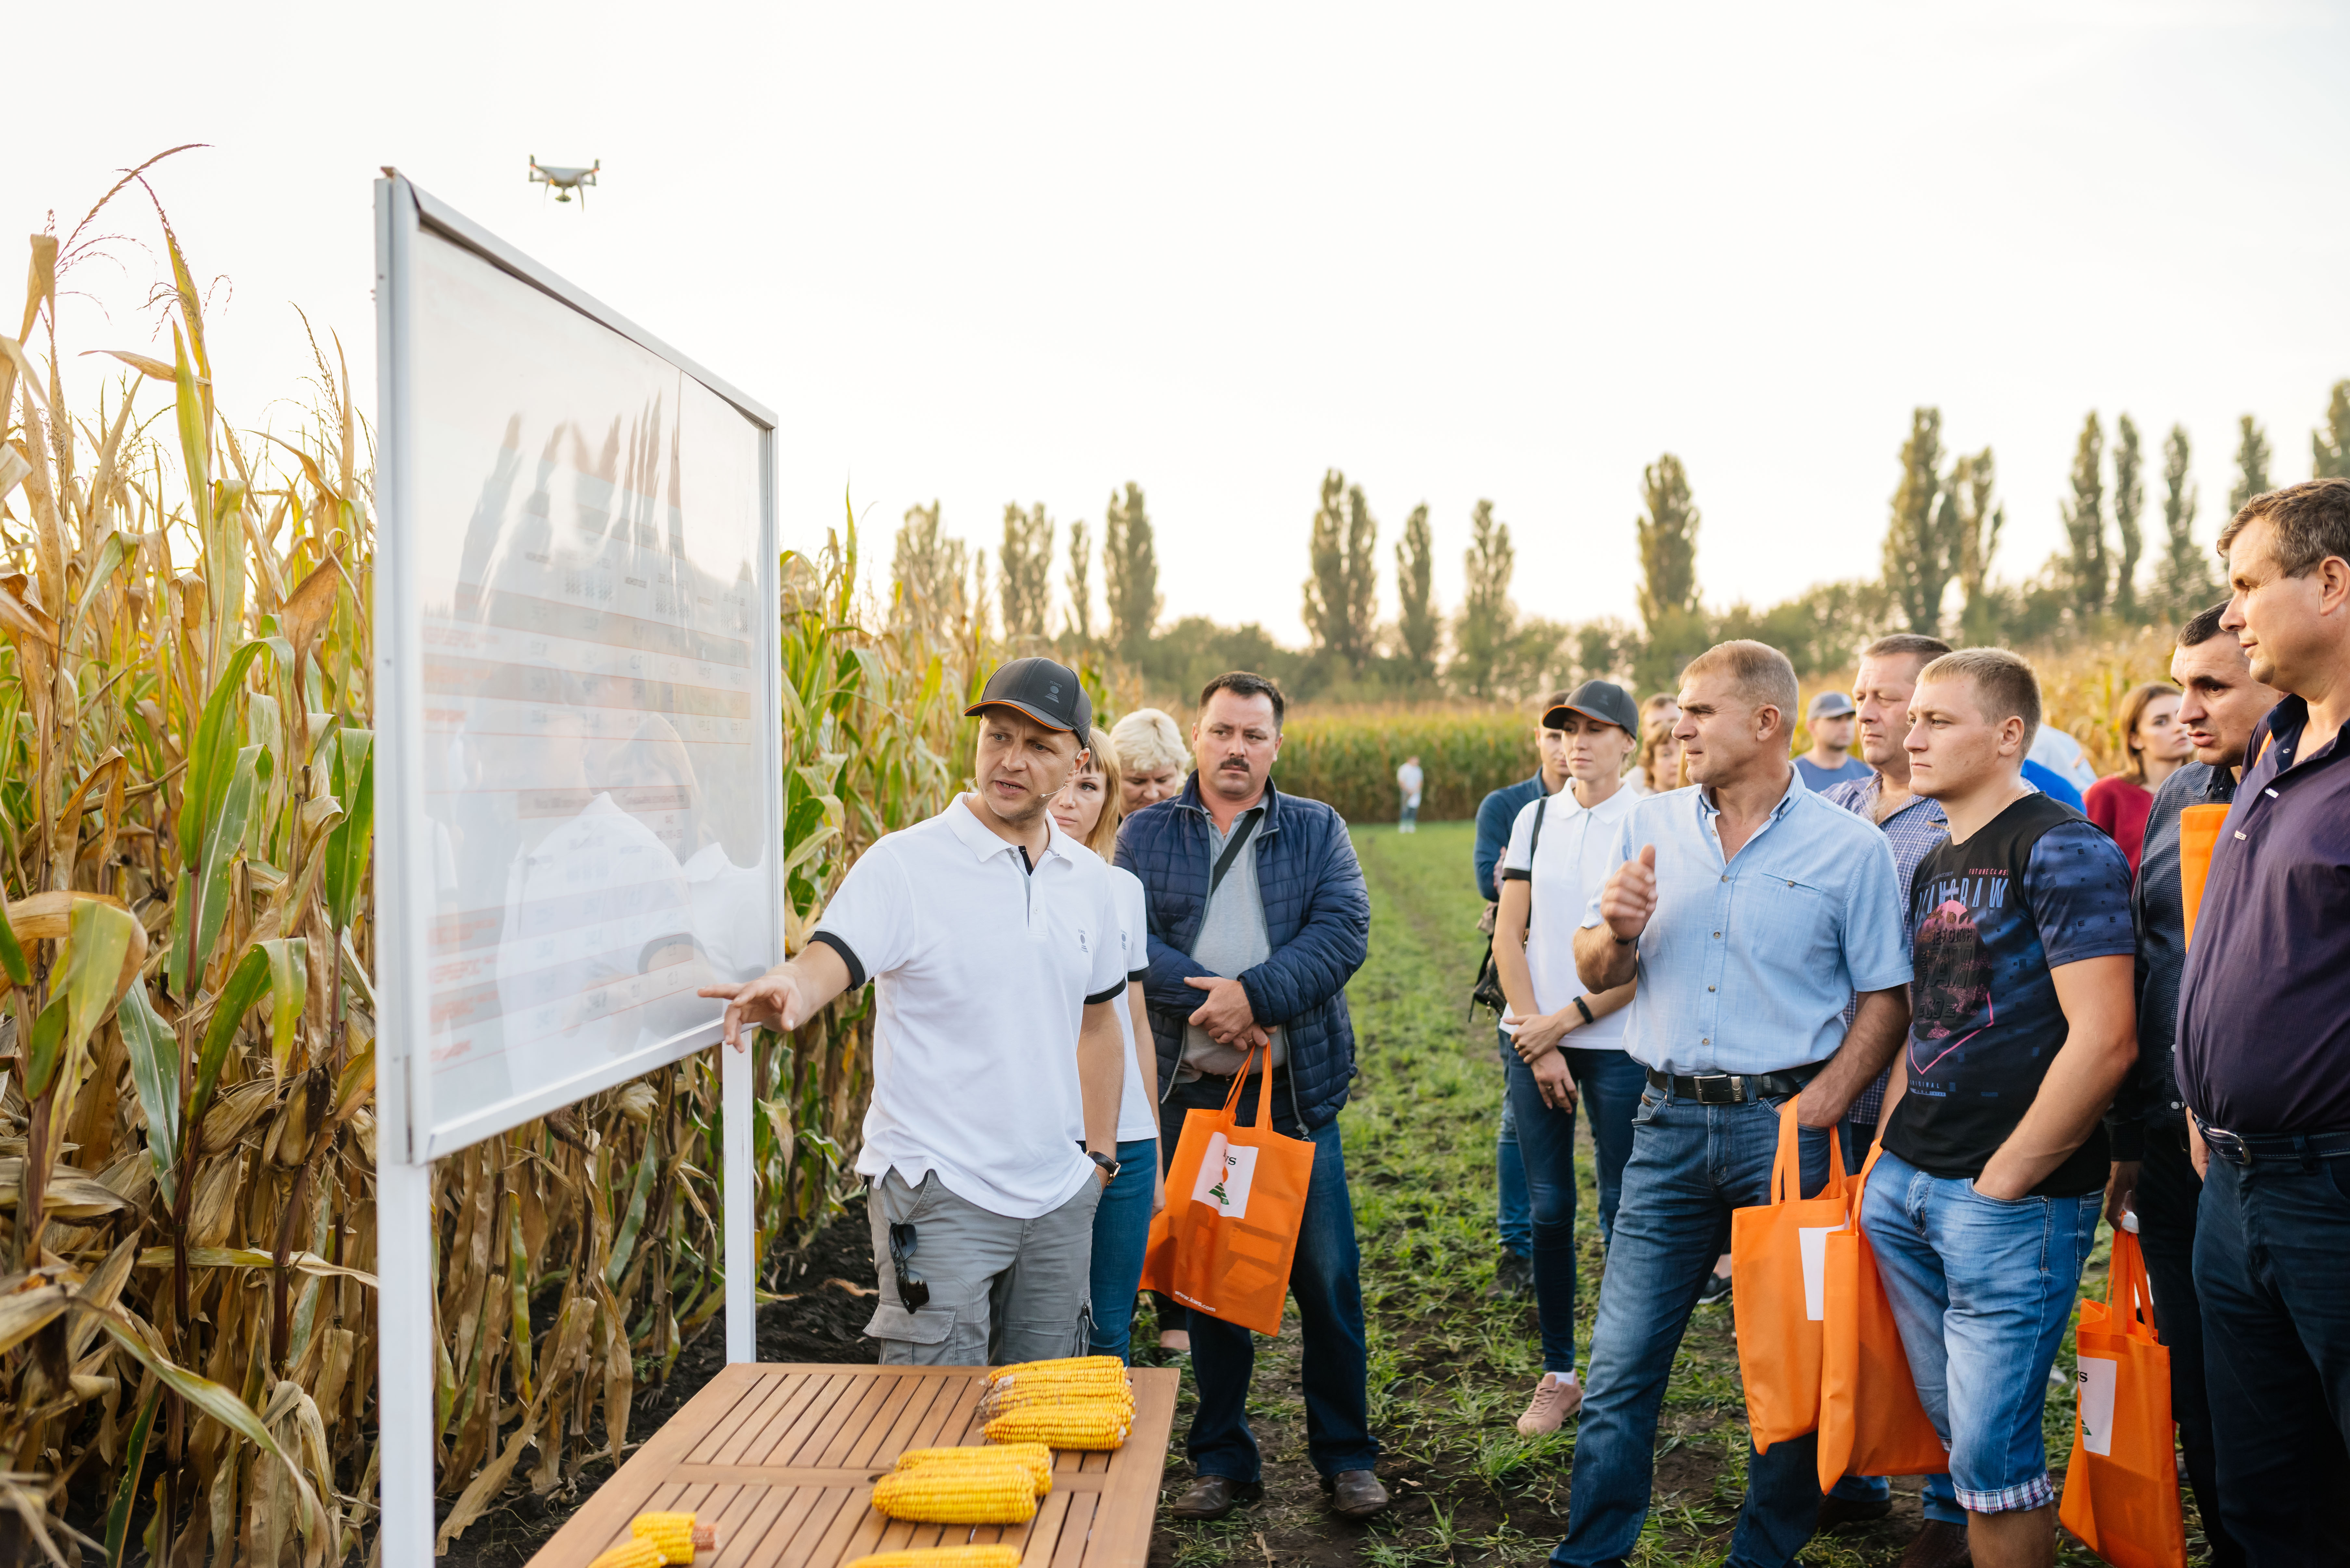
(1010,1399)
(1004,1493)
(635,1553)
(1030,1388)
(1035,1456)
(1077,1423)
(675,1534)
(1097,1362)
(944,1557)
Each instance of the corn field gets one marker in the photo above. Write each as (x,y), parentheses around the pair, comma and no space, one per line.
(186,1063)
(1349,757)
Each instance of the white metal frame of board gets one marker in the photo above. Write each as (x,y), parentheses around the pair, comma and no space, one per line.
(407,1140)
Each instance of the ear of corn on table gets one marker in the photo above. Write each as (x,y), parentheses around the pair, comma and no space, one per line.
(1035,1457)
(655,1539)
(943,1557)
(1004,1493)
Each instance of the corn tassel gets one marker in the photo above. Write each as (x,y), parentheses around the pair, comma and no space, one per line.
(959,1494)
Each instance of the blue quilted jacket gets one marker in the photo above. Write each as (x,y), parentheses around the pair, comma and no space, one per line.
(1317,913)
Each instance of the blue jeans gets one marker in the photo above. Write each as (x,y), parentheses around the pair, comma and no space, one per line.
(1325,1280)
(1514,1217)
(1982,1292)
(1122,1231)
(1691,1166)
(2272,1274)
(1610,1083)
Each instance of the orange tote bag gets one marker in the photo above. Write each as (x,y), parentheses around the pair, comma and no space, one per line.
(1871,1423)
(2198,832)
(2121,1490)
(1235,1198)
(1778,1290)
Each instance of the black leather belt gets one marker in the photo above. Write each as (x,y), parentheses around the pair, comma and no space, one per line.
(1733,1088)
(2263,1148)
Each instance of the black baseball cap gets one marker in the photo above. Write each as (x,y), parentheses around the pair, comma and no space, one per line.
(1601,700)
(1045,690)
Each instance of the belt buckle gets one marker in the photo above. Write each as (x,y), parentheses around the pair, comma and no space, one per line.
(2226,1145)
(1731,1095)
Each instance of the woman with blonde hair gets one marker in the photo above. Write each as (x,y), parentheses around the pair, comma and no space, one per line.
(1089,809)
(1152,759)
(1659,767)
(2156,746)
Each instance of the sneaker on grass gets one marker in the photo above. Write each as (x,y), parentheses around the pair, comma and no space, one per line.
(1556,1399)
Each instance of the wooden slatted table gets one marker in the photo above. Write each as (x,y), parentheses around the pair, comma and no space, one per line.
(782,1458)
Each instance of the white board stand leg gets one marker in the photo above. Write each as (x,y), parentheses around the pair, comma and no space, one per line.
(403,1219)
(742,1206)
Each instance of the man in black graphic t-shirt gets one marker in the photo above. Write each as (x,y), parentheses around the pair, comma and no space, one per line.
(1982,1207)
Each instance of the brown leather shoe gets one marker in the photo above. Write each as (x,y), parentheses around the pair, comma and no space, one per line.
(1937,1545)
(1213,1497)
(1356,1494)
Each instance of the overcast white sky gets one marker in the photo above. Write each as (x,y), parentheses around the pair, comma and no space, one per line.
(1027,251)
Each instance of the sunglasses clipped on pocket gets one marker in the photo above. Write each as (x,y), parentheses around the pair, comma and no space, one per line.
(913,1291)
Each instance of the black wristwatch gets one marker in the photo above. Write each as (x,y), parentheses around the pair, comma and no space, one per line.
(1104,1161)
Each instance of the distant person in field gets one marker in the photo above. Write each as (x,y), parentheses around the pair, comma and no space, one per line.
(1258,920)
(1497,815)
(1088,809)
(1830,761)
(1408,780)
(1659,767)
(1152,758)
(996,950)
(2264,1043)
(1567,1042)
(2156,746)
(1750,910)
(1912,824)
(2152,1173)
(1983,1206)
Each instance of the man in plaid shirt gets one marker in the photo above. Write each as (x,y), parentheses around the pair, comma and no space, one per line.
(1915,824)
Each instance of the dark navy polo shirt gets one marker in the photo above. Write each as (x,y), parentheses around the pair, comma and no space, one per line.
(2264,1006)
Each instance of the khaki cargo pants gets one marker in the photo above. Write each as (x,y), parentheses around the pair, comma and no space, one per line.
(1002,1290)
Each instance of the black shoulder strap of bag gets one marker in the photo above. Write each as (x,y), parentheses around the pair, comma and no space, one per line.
(1232,850)
(1542,814)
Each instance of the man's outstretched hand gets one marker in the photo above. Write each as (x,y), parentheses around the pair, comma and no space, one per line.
(775,1000)
(1628,896)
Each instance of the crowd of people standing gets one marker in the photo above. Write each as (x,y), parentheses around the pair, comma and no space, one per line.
(1947,968)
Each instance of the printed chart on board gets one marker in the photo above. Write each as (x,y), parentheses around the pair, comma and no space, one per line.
(589,583)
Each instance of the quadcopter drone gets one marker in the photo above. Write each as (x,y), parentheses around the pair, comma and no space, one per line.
(564,180)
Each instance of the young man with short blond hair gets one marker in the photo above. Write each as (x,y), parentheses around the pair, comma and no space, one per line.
(1984,1202)
(2264,1044)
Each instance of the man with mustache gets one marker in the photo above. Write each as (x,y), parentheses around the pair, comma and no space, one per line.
(1258,919)
(2264,1046)
(2153,1172)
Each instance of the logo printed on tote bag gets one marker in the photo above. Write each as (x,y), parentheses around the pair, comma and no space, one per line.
(1813,1240)
(2095,1381)
(1226,1173)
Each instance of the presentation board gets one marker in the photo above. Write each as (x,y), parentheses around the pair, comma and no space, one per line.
(579,763)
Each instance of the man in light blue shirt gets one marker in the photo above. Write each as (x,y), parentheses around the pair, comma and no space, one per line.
(1751,912)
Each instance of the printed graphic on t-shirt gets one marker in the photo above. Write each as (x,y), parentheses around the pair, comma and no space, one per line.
(2035,890)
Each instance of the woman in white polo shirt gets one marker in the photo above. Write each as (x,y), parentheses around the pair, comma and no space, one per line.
(1569,1043)
(1089,809)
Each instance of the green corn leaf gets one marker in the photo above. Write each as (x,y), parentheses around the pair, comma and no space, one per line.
(289,971)
(625,1243)
(212,758)
(154,1052)
(518,1278)
(111,554)
(246,985)
(183,928)
(348,845)
(47,1049)
(118,1517)
(195,436)
(227,831)
(98,941)
(12,951)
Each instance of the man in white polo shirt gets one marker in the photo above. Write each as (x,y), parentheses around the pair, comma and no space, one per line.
(995,947)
